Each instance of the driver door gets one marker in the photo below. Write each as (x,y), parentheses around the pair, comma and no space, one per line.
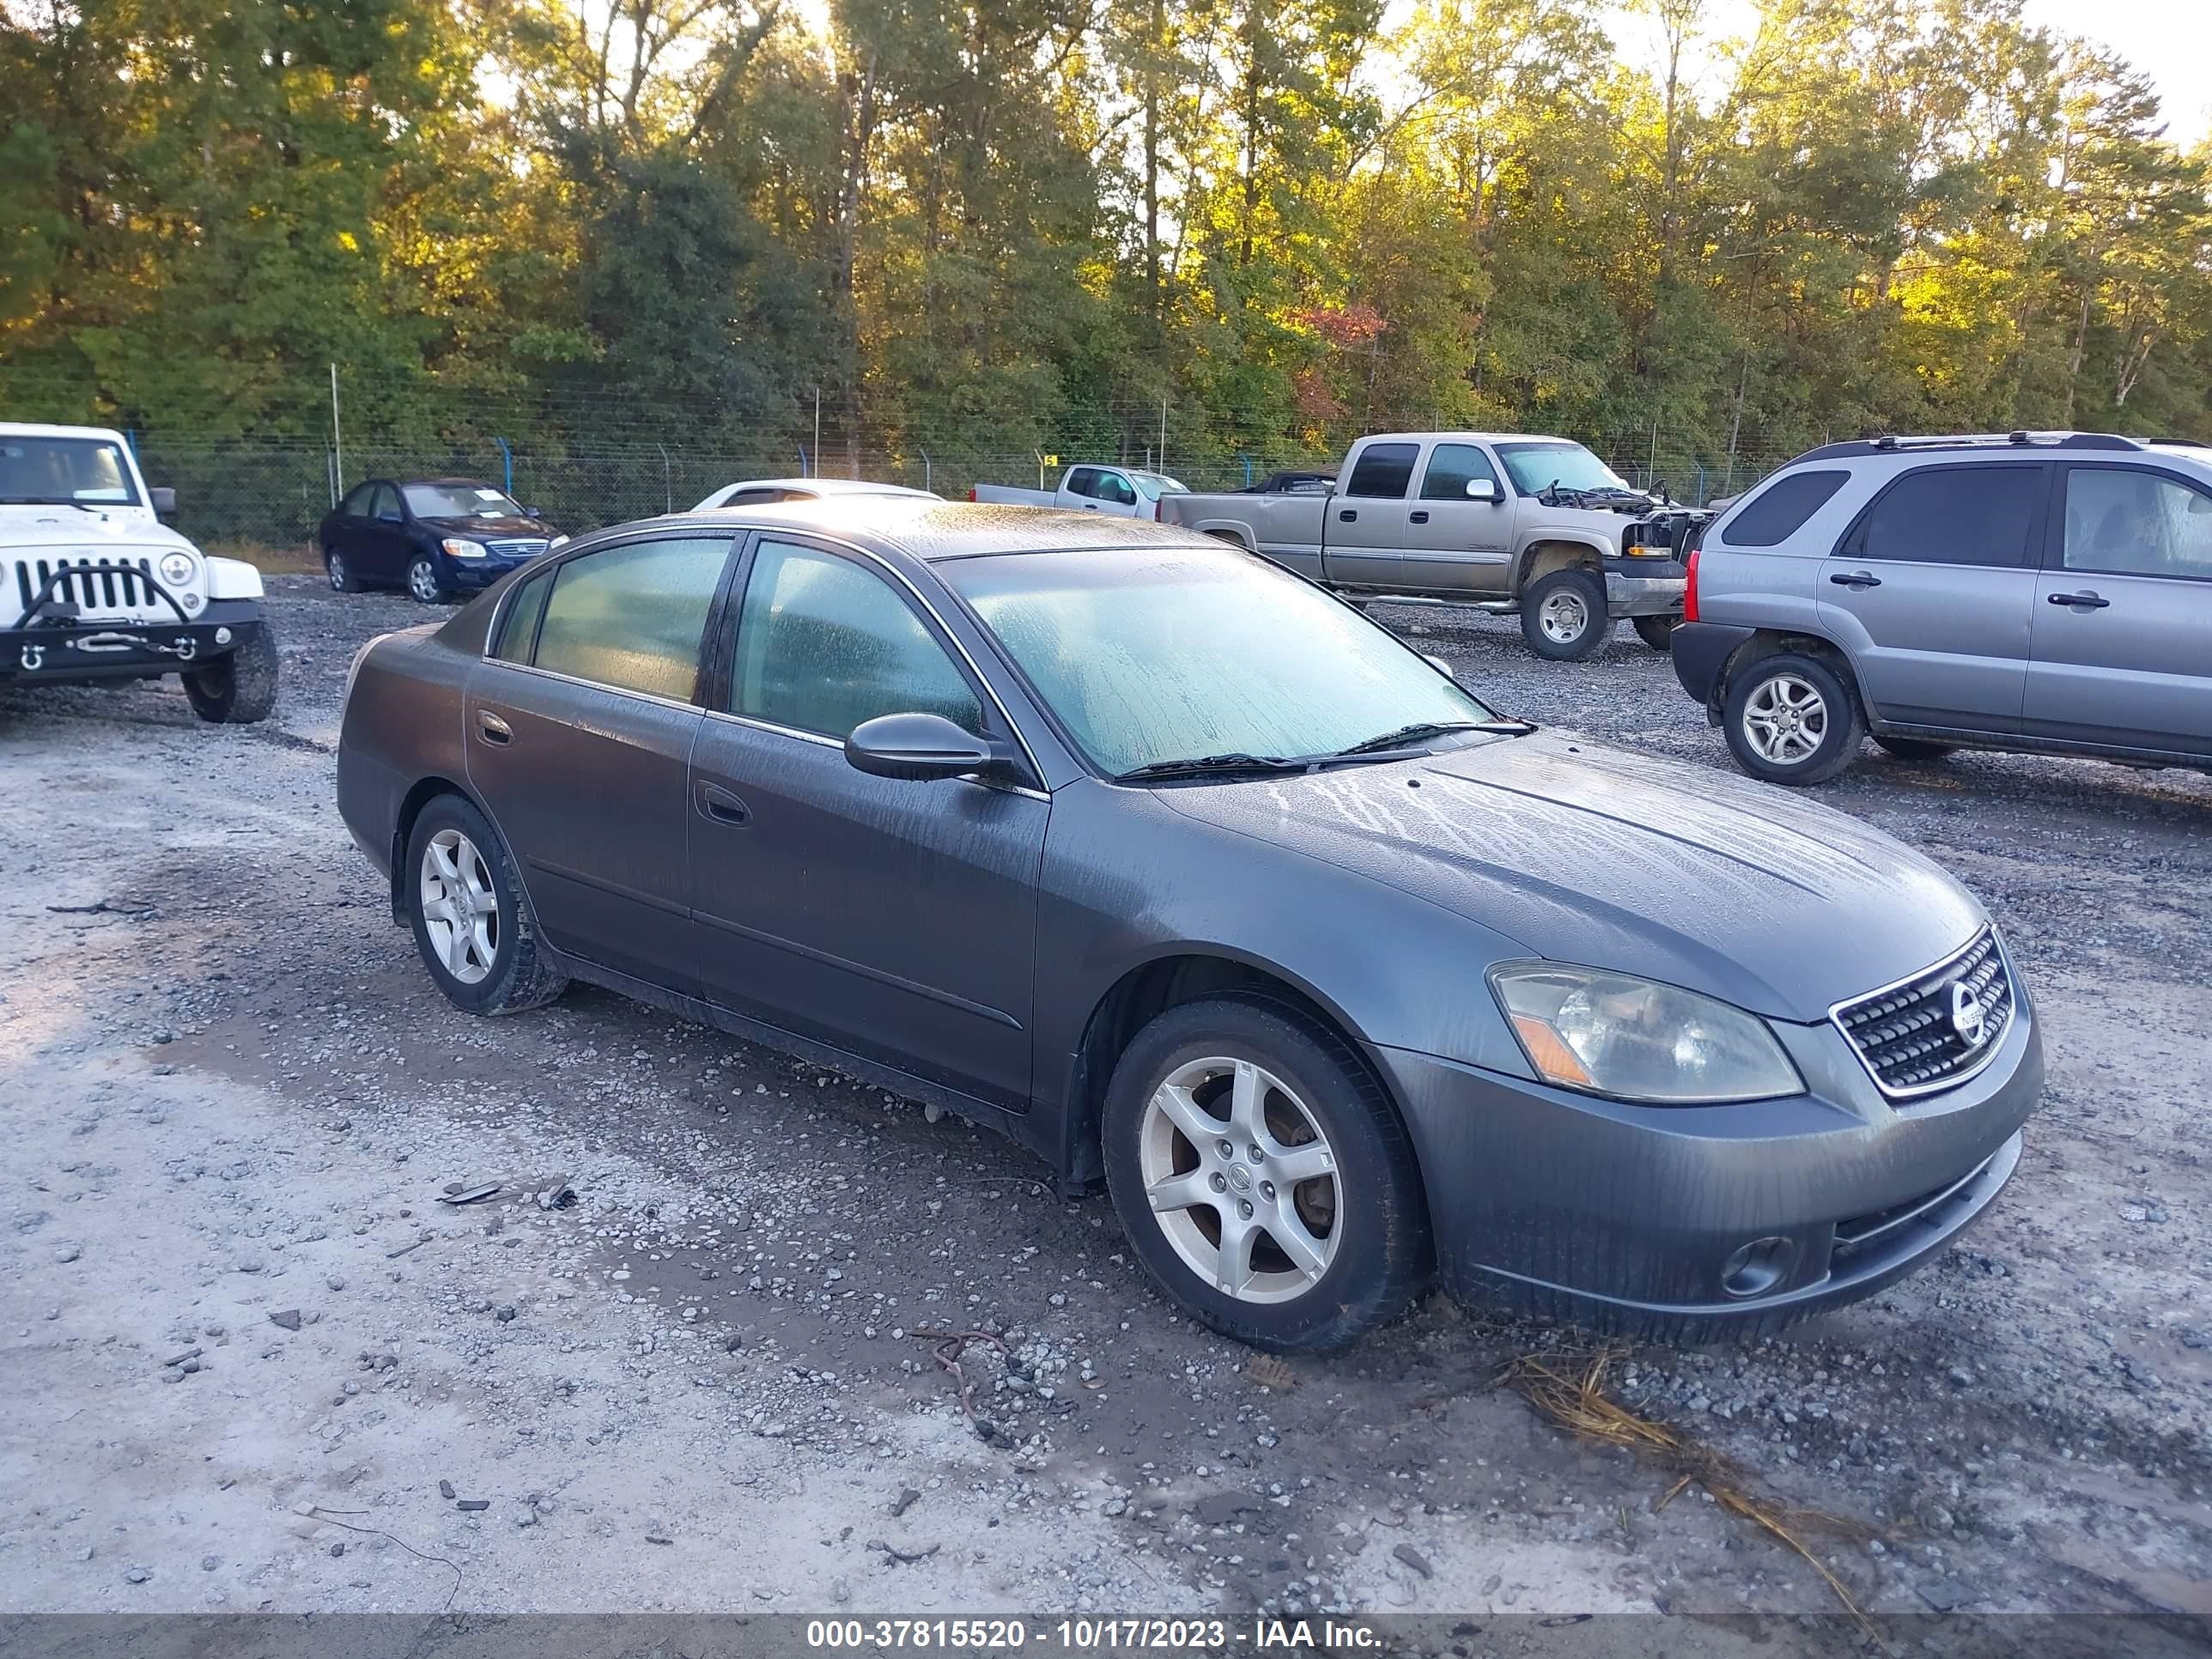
(1453,542)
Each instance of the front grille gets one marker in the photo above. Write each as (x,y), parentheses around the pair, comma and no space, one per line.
(1861,1231)
(123,586)
(1920,1035)
(518,548)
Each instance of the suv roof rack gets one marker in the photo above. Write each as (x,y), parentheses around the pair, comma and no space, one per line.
(1890,443)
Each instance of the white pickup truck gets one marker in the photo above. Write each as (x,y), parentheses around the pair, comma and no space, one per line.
(1122,492)
(94,587)
(1507,522)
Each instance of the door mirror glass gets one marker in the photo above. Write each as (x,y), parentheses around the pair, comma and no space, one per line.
(916,747)
(1482,489)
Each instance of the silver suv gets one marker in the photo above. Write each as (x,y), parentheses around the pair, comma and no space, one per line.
(2041,592)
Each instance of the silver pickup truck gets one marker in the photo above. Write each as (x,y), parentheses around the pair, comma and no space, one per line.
(1506,522)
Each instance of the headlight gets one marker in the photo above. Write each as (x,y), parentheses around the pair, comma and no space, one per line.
(1631,1039)
(176,568)
(463,550)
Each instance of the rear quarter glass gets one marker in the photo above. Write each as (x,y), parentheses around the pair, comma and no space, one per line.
(1780,510)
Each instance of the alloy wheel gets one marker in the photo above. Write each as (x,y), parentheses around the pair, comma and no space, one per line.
(1241,1179)
(460,907)
(422,582)
(1785,720)
(1564,617)
(334,564)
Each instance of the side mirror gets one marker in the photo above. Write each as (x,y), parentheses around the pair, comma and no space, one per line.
(1440,666)
(1482,489)
(916,747)
(532,513)
(163,498)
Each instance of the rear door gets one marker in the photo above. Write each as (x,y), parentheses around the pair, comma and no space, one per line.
(2122,625)
(1365,527)
(579,732)
(1081,486)
(385,536)
(1931,592)
(1453,543)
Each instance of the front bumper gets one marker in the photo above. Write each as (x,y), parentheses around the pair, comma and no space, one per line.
(1624,1217)
(1644,587)
(474,575)
(96,650)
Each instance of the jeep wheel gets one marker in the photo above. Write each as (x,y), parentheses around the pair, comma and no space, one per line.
(240,688)
(1563,616)
(1790,719)
(424,583)
(342,580)
(1916,748)
(1658,632)
(470,918)
(1263,1178)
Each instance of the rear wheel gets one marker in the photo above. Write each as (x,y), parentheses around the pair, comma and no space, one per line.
(1790,719)
(470,918)
(240,688)
(1915,748)
(1263,1177)
(343,580)
(1658,632)
(424,583)
(1562,616)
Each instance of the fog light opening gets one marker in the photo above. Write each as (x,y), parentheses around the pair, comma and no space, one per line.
(1755,1268)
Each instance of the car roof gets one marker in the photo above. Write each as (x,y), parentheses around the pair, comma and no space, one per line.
(39,429)
(1474,437)
(466,483)
(826,487)
(932,530)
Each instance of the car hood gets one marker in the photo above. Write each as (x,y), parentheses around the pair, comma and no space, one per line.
(92,534)
(501,528)
(1585,854)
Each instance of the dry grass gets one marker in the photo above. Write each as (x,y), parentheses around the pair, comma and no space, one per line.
(1571,1390)
(299,559)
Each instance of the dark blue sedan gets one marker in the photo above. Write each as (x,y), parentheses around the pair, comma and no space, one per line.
(436,538)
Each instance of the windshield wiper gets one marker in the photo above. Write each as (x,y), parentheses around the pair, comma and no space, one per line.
(1206,765)
(1423,729)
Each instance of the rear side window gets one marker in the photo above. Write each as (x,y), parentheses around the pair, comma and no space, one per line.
(1779,511)
(632,617)
(1952,515)
(1383,471)
(1452,467)
(356,505)
(518,623)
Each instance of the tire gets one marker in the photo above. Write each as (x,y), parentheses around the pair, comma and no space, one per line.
(1658,632)
(1562,616)
(342,580)
(502,970)
(240,688)
(424,585)
(1916,749)
(1374,1257)
(1791,719)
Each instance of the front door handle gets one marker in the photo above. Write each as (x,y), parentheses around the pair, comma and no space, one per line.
(718,804)
(1348,514)
(1856,579)
(492,729)
(2080,601)
(1418,515)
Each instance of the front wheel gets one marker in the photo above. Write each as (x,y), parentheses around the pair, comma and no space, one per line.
(424,584)
(1263,1177)
(1658,632)
(1564,617)
(240,688)
(1790,719)
(343,580)
(470,918)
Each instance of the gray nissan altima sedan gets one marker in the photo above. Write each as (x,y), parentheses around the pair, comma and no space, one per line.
(1198,883)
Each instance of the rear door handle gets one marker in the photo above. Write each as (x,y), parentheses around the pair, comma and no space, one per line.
(1348,514)
(1856,579)
(492,729)
(2082,601)
(1418,515)
(719,804)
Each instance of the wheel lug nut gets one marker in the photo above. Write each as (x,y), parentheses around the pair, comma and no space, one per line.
(1255,1154)
(1225,1149)
(1267,1190)
(1244,1208)
(1218,1182)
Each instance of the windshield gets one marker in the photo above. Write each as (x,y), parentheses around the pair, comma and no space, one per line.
(1539,466)
(458,501)
(1149,655)
(60,471)
(1153,485)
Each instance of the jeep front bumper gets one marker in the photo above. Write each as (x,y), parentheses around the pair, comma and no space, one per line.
(109,648)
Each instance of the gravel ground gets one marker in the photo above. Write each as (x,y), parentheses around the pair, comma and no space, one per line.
(690,1355)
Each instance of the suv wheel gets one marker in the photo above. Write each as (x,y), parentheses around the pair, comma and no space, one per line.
(423,581)
(1563,616)
(1263,1177)
(342,580)
(1658,632)
(470,920)
(1916,748)
(240,688)
(1790,719)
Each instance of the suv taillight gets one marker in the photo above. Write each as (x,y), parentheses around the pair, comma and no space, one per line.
(1690,590)
(971,492)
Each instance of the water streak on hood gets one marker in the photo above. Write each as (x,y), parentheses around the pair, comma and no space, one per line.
(1592,856)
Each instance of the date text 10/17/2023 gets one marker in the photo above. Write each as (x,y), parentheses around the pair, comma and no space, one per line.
(988,1635)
